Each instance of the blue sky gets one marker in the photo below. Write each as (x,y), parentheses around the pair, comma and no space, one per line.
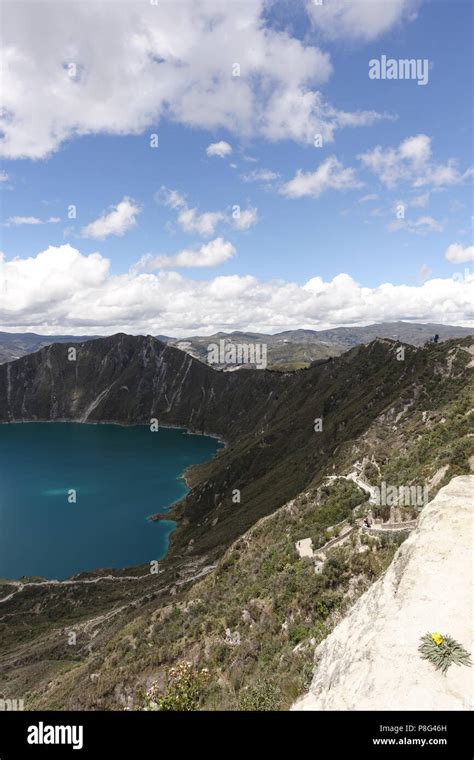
(326,211)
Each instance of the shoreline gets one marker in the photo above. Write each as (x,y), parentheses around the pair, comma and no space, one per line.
(187,430)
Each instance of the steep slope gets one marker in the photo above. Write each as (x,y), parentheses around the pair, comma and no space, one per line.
(252,621)
(267,418)
(371,660)
(124,379)
(415,422)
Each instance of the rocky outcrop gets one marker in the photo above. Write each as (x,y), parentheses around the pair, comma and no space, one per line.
(371,660)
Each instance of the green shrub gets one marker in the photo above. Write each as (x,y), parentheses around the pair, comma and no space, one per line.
(185,687)
(443,651)
(263,695)
(297,633)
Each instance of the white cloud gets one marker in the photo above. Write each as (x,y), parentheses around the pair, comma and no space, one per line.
(369,197)
(458,253)
(411,162)
(189,219)
(363,20)
(428,224)
(260,175)
(209,255)
(171,198)
(3,176)
(416,149)
(47,282)
(360,118)
(420,226)
(246,219)
(182,62)
(377,212)
(220,149)
(17,221)
(330,175)
(420,201)
(77,293)
(20,220)
(299,114)
(205,223)
(118,221)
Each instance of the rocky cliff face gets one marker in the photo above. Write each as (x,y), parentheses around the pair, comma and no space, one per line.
(371,660)
(126,379)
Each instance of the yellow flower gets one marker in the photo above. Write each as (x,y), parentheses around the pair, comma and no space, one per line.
(437,638)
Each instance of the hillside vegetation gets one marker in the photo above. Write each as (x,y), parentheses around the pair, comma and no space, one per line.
(428,588)
(233,595)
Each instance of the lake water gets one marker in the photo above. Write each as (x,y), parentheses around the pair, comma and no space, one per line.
(121,475)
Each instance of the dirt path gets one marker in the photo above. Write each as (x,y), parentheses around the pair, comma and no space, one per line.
(355,478)
(371,491)
(19,585)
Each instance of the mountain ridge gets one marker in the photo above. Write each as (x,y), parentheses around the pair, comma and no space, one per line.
(292,349)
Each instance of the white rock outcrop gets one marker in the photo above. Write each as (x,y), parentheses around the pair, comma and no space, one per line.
(305,547)
(371,661)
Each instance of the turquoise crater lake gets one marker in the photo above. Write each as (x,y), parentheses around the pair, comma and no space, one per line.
(121,476)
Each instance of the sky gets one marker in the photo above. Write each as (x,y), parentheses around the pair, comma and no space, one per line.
(181,167)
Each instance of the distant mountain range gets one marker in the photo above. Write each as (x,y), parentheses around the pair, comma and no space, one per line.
(291,349)
(296,349)
(15,345)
